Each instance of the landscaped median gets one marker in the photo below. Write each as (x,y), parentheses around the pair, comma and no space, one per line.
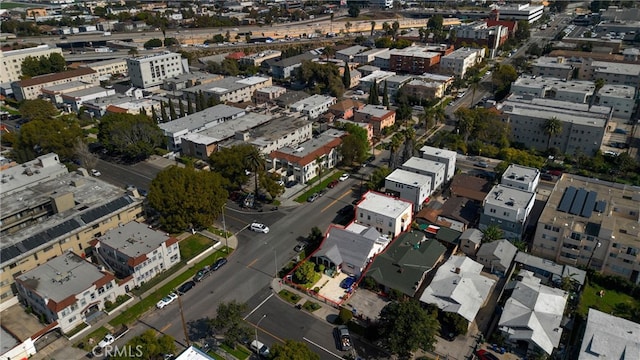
(323,185)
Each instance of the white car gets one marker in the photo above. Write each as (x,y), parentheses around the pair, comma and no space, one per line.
(343,177)
(258,227)
(108,340)
(166,300)
(95,172)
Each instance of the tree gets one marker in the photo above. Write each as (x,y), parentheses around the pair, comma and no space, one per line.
(43,136)
(189,106)
(523,32)
(184,198)
(254,162)
(502,77)
(373,27)
(229,319)
(435,23)
(473,83)
(133,52)
(345,315)
(394,145)
(394,29)
(355,145)
(135,137)
(385,95)
(163,112)
(148,345)
(293,350)
(230,163)
(346,77)
(154,115)
(492,233)
(457,323)
(354,11)
(172,111)
(305,273)
(86,158)
(38,109)
(552,127)
(378,176)
(347,26)
(181,108)
(398,319)
(409,135)
(153,43)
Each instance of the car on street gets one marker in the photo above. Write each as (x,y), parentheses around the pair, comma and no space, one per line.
(201,274)
(218,264)
(107,340)
(482,164)
(485,355)
(343,177)
(313,197)
(346,210)
(186,287)
(95,172)
(259,227)
(301,246)
(260,348)
(344,338)
(546,177)
(166,300)
(348,282)
(332,184)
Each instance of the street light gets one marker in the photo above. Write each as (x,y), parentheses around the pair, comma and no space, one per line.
(258,325)
(224,229)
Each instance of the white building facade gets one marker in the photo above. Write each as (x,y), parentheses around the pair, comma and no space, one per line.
(150,70)
(446,157)
(409,186)
(390,216)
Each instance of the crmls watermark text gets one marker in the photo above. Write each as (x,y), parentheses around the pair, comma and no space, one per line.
(118,351)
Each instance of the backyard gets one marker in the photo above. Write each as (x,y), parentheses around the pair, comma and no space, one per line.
(612,302)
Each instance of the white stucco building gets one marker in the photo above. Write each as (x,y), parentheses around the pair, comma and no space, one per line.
(390,216)
(409,186)
(446,157)
(433,169)
(150,70)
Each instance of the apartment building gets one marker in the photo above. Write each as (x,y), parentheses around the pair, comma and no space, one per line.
(269,93)
(612,73)
(314,105)
(376,77)
(528,12)
(346,108)
(479,34)
(229,89)
(348,55)
(283,131)
(446,157)
(413,60)
(458,62)
(190,79)
(409,186)
(47,212)
(11,60)
(377,115)
(621,98)
(433,169)
(136,250)
(150,71)
(73,100)
(593,223)
(521,177)
(305,162)
(67,289)
(509,209)
(395,83)
(554,67)
(390,216)
(30,89)
(283,69)
(421,89)
(368,56)
(583,126)
(106,68)
(258,58)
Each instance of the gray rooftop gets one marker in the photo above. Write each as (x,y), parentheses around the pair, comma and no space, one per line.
(134,239)
(502,249)
(520,173)
(462,53)
(424,164)
(505,196)
(398,79)
(368,68)
(543,82)
(298,59)
(69,85)
(435,77)
(547,61)
(226,85)
(195,75)
(375,110)
(374,52)
(41,169)
(583,114)
(616,68)
(383,204)
(228,129)
(352,50)
(609,337)
(555,271)
(408,178)
(200,119)
(377,75)
(433,151)
(414,51)
(104,63)
(271,89)
(312,101)
(276,128)
(472,235)
(618,91)
(61,277)
(314,144)
(342,245)
(86,92)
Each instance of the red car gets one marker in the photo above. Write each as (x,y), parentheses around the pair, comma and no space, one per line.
(485,355)
(332,184)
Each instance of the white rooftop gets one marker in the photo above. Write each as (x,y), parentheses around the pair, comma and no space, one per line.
(433,151)
(583,114)
(374,110)
(377,75)
(271,89)
(609,337)
(619,91)
(424,164)
(543,82)
(193,353)
(616,68)
(228,129)
(523,174)
(384,205)
(458,287)
(408,178)
(200,119)
(505,196)
(462,53)
(134,239)
(414,51)
(311,102)
(43,168)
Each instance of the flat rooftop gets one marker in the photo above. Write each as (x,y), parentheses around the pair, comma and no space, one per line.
(226,85)
(271,89)
(616,68)
(377,75)
(312,101)
(276,129)
(70,85)
(543,82)
(442,153)
(414,51)
(583,114)
(352,50)
(424,164)
(41,169)
(618,91)
(435,77)
(85,92)
(314,144)
(134,239)
(461,53)
(375,110)
(384,204)
(201,118)
(104,63)
(408,178)
(520,173)
(63,276)
(228,129)
(508,197)
(547,61)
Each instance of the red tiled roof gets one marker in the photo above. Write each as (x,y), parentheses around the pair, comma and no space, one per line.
(104,280)
(236,55)
(43,79)
(57,307)
(302,161)
(137,260)
(116,109)
(170,241)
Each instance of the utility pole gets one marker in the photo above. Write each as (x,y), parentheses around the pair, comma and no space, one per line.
(184,324)
(224,228)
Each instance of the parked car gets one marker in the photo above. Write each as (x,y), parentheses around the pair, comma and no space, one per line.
(313,197)
(218,264)
(260,348)
(95,172)
(186,287)
(482,164)
(166,300)
(344,177)
(547,177)
(107,340)
(291,184)
(344,338)
(348,282)
(485,355)
(258,227)
(332,184)
(201,274)
(301,246)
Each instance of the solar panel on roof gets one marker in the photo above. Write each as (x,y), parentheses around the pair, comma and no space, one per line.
(578,202)
(63,228)
(9,253)
(589,204)
(601,206)
(567,199)
(35,241)
(96,213)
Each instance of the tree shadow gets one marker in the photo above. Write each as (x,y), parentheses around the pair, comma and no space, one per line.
(199,329)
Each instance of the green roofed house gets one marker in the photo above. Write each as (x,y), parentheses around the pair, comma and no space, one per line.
(406,262)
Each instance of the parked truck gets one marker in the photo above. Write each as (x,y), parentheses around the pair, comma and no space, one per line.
(106,33)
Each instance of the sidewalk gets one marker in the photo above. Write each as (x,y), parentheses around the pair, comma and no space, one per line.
(325,312)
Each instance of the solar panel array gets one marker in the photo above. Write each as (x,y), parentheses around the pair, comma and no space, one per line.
(580,202)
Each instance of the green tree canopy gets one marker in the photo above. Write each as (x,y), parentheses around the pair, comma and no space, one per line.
(321,78)
(355,145)
(229,319)
(230,163)
(184,198)
(523,32)
(38,109)
(135,137)
(492,233)
(397,319)
(40,136)
(354,11)
(151,346)
(293,350)
(502,78)
(304,273)
(378,176)
(34,66)
(153,43)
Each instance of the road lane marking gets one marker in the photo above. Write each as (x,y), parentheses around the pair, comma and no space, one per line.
(272,335)
(336,200)
(322,348)
(253,262)
(257,307)
(165,328)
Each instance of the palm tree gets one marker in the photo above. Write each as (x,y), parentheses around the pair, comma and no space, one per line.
(440,113)
(347,26)
(373,27)
(428,117)
(552,127)
(409,140)
(254,162)
(473,83)
(329,51)
(492,233)
(394,145)
(319,165)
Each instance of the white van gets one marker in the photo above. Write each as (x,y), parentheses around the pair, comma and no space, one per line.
(260,348)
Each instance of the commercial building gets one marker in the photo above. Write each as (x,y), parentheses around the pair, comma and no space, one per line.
(229,89)
(433,169)
(314,105)
(283,131)
(459,287)
(54,93)
(413,60)
(409,186)
(151,70)
(527,12)
(130,104)
(136,250)
(11,60)
(107,68)
(447,157)
(30,89)
(592,223)
(368,56)
(47,212)
(458,62)
(532,315)
(521,177)
(377,115)
(190,79)
(67,289)
(609,337)
(509,209)
(258,58)
(479,34)
(390,216)
(305,162)
(583,126)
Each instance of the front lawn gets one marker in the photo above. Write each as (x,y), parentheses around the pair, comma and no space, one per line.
(96,335)
(609,303)
(240,352)
(311,306)
(194,245)
(323,185)
(289,296)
